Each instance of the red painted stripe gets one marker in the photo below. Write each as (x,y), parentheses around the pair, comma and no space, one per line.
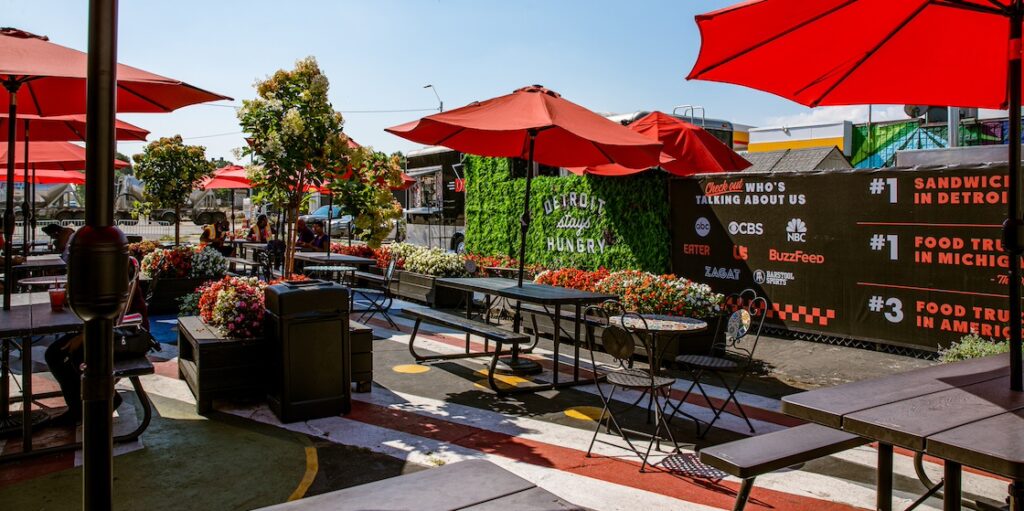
(16,472)
(611,470)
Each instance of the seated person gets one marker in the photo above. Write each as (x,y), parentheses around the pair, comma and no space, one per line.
(261,232)
(61,236)
(65,357)
(321,242)
(304,235)
(215,235)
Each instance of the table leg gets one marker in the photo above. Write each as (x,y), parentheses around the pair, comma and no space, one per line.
(556,337)
(5,379)
(26,394)
(576,344)
(951,492)
(883,500)
(1017,496)
(469,315)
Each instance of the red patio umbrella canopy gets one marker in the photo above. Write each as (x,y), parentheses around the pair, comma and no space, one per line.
(51,176)
(51,155)
(57,84)
(224,183)
(686,149)
(842,52)
(566,133)
(64,128)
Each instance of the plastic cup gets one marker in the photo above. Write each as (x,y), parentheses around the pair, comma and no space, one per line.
(57,298)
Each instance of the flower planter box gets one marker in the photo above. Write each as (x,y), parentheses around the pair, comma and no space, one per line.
(167,292)
(216,367)
(423,288)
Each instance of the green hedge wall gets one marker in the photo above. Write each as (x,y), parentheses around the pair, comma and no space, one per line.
(632,226)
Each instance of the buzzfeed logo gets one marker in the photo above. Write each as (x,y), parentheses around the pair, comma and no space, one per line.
(796,231)
(798,256)
(746,228)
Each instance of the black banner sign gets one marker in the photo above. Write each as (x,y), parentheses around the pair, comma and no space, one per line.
(905,257)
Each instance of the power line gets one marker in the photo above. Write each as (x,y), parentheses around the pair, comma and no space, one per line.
(385,111)
(214,135)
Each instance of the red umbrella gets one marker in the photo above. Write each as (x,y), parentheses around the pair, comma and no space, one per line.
(51,176)
(537,125)
(407,182)
(53,156)
(686,149)
(843,52)
(225,178)
(66,128)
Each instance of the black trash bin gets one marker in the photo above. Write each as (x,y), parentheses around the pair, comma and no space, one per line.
(308,345)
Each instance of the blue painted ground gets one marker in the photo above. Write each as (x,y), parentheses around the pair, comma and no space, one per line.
(164,328)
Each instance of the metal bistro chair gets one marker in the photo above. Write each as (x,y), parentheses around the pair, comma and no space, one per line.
(620,342)
(737,358)
(379,298)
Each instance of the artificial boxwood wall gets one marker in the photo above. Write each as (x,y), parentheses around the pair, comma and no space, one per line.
(631,223)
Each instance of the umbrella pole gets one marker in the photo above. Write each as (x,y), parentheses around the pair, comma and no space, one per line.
(98,260)
(25,199)
(232,212)
(330,210)
(33,203)
(12,87)
(525,221)
(1012,227)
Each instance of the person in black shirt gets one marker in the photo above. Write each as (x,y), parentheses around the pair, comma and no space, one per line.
(320,243)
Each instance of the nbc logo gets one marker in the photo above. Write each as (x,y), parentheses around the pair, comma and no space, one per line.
(796,230)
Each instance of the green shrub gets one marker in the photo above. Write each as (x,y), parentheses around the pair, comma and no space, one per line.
(973,346)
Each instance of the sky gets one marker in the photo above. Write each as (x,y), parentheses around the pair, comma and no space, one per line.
(609,56)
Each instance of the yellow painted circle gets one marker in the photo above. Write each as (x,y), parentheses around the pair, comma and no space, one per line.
(583,413)
(410,369)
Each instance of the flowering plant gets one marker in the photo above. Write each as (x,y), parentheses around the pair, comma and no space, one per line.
(401,251)
(572,278)
(661,294)
(141,249)
(208,263)
(436,262)
(234,305)
(354,250)
(169,263)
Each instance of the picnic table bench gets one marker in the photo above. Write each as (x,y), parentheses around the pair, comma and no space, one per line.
(754,456)
(477,485)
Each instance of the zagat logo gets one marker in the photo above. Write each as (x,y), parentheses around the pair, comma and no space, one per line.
(796,230)
(703,227)
(748,228)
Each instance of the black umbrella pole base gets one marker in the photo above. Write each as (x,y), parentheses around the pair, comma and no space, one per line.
(510,365)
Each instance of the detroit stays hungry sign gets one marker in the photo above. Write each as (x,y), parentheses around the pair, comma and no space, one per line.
(905,257)
(577,213)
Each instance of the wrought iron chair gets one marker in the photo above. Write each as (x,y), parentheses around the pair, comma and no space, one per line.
(620,339)
(738,357)
(379,297)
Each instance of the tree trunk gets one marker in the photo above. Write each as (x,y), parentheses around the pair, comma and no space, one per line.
(289,257)
(177,225)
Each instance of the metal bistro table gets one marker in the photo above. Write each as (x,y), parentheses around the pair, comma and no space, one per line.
(43,282)
(336,272)
(658,326)
(964,413)
(36,264)
(327,258)
(25,321)
(538,294)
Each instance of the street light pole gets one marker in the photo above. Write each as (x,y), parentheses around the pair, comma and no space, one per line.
(440,104)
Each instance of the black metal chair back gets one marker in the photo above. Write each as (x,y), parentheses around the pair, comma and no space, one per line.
(746,323)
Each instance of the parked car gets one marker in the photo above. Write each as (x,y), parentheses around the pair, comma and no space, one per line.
(341,224)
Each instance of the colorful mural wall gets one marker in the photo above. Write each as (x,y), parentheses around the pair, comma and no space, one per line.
(880,149)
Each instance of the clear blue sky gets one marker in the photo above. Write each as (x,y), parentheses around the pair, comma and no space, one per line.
(610,56)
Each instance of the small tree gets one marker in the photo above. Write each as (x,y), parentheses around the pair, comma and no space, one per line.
(366,195)
(170,170)
(296,138)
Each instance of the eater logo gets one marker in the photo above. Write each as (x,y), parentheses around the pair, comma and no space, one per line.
(703,227)
(746,228)
(796,231)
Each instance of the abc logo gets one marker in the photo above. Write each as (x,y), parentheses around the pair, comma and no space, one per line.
(703,227)
(751,228)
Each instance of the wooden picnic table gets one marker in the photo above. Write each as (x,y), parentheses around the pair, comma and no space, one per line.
(963,413)
(25,321)
(539,294)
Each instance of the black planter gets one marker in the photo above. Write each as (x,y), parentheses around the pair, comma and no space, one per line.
(166,292)
(424,289)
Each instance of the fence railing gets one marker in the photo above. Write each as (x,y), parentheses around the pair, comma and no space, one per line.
(146,229)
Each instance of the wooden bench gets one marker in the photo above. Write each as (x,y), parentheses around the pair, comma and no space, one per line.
(373,278)
(472,484)
(759,455)
(489,332)
(234,262)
